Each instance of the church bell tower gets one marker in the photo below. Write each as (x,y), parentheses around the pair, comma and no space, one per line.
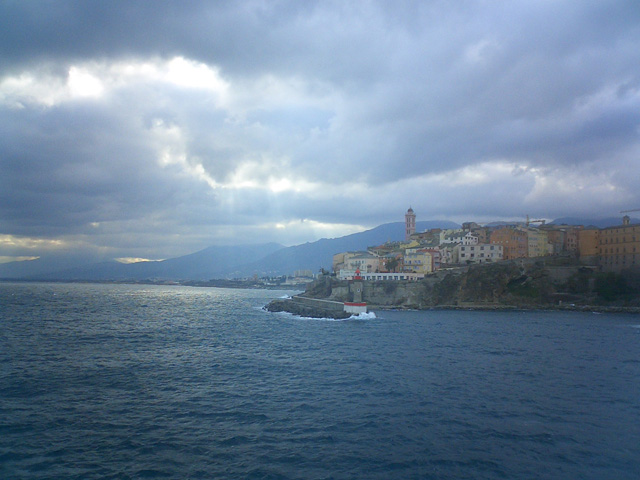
(410,223)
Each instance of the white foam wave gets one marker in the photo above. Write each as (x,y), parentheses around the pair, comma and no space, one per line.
(363,316)
(360,316)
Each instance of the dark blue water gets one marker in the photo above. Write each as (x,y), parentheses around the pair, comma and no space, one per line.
(117,381)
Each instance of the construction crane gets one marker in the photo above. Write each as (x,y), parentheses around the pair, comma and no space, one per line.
(629,211)
(542,221)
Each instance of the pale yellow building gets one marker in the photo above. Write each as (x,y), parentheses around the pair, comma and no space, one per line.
(537,243)
(363,261)
(418,261)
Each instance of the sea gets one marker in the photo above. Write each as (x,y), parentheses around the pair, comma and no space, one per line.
(102,381)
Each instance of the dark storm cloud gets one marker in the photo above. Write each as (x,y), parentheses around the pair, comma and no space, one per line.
(471,108)
(64,168)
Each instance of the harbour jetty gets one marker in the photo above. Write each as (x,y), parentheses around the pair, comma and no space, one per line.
(316,308)
(308,305)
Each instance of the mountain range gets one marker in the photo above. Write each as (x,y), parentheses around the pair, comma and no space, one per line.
(236,261)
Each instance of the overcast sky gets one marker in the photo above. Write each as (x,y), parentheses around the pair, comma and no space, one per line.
(153,129)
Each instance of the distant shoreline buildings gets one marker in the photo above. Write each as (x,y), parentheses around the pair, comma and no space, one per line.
(422,253)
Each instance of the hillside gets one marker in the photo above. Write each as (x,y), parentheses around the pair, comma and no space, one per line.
(548,283)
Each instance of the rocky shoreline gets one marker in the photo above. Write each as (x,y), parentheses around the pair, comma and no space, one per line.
(545,284)
(522,308)
(294,308)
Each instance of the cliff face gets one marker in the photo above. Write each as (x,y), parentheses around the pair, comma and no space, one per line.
(520,284)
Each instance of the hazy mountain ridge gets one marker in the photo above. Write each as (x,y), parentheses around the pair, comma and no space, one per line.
(594,222)
(201,265)
(319,254)
(226,261)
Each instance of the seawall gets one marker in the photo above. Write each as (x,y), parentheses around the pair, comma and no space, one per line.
(543,283)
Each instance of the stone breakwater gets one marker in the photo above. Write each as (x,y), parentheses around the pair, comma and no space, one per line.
(306,308)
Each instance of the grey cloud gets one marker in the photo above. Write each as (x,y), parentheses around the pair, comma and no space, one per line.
(401,90)
(65,167)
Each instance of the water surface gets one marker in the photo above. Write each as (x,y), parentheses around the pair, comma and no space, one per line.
(123,381)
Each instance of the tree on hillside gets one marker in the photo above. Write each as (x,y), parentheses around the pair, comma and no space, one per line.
(392,264)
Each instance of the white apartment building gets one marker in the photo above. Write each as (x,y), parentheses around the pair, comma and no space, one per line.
(481,253)
(375,277)
(458,236)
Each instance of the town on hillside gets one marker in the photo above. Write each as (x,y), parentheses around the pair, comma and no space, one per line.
(611,249)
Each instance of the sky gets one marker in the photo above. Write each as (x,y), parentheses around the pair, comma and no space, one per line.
(152,129)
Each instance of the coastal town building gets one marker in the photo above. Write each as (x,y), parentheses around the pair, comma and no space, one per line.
(556,239)
(458,236)
(303,274)
(379,276)
(620,246)
(446,253)
(338,261)
(483,234)
(537,242)
(563,238)
(571,240)
(418,261)
(435,257)
(513,241)
(482,253)
(589,242)
(424,253)
(364,261)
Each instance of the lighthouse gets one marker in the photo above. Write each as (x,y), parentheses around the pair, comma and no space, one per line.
(357,305)
(410,224)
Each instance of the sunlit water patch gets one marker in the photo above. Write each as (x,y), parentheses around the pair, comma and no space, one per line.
(118,381)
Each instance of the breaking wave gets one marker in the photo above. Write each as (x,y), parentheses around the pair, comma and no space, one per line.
(363,316)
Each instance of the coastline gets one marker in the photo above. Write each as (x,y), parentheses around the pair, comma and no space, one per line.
(533,308)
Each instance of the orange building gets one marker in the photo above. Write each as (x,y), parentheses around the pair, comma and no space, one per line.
(589,242)
(513,240)
(620,246)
